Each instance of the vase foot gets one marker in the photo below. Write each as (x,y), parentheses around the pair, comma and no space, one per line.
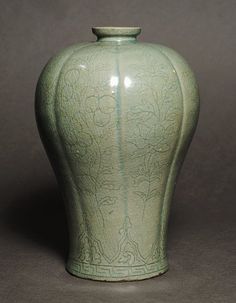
(111,273)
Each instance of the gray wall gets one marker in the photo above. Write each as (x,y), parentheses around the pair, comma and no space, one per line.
(32,233)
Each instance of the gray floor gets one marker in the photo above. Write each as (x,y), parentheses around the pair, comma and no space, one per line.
(33,238)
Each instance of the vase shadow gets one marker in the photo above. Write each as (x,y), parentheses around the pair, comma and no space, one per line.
(40,217)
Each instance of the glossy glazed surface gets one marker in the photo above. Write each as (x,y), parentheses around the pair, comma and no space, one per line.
(116,117)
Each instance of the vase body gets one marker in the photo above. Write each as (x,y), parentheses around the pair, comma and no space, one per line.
(116,118)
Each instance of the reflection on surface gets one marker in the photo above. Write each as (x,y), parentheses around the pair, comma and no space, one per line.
(127,82)
(114,81)
(82,66)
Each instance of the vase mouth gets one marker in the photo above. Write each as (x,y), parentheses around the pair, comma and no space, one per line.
(114,31)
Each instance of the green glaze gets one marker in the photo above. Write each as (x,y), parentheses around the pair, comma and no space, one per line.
(116,117)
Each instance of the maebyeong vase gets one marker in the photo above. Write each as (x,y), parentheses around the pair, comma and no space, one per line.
(116,118)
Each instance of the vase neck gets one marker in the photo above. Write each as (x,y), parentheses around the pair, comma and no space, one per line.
(118,34)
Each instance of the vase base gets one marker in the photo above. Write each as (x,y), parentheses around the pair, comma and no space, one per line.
(116,273)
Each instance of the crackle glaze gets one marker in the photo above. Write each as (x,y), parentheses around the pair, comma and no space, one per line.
(116,117)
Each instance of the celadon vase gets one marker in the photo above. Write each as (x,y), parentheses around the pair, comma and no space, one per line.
(116,117)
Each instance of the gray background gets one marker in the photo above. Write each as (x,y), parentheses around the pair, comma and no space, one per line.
(33,236)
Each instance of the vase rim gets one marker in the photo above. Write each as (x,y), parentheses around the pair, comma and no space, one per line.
(115,31)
